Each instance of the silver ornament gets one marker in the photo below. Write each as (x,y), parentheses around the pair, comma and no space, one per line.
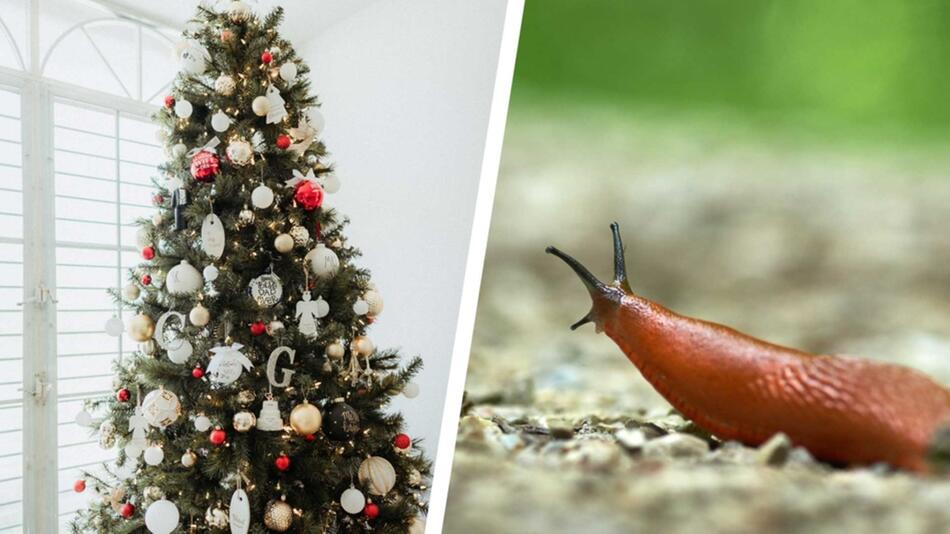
(245,217)
(266,290)
(300,234)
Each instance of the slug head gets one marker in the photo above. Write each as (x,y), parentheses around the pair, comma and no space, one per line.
(597,289)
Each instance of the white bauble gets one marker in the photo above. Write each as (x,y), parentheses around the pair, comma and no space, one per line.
(202,423)
(210,273)
(288,71)
(157,218)
(154,455)
(316,120)
(220,121)
(363,345)
(179,150)
(224,85)
(262,197)
(260,106)
(84,418)
(323,262)
(353,501)
(275,327)
(161,408)
(284,243)
(142,237)
(240,152)
(131,291)
(417,526)
(238,11)
(335,351)
(183,279)
(331,184)
(133,450)
(189,459)
(377,475)
(411,390)
(375,301)
(114,326)
(199,315)
(360,307)
(161,517)
(183,109)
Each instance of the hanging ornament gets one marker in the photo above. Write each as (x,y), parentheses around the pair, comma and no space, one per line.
(140,327)
(179,203)
(138,426)
(274,328)
(106,435)
(305,418)
(260,106)
(179,150)
(220,121)
(377,475)
(183,279)
(282,462)
(204,166)
(266,57)
(169,101)
(246,396)
(275,105)
(114,326)
(227,363)
(210,273)
(283,243)
(243,421)
(239,12)
(288,71)
(161,517)
(415,477)
(224,85)
(197,372)
(266,289)
(282,142)
(323,262)
(411,390)
(189,459)
(239,513)
(216,517)
(146,279)
(335,351)
(127,510)
(178,349)
(330,183)
(363,345)
(246,217)
(183,109)
(300,235)
(342,422)
(360,307)
(262,197)
(79,486)
(272,367)
(375,301)
(202,423)
(154,455)
(258,328)
(148,253)
(352,501)
(417,526)
(270,419)
(123,395)
(83,418)
(303,137)
(212,236)
(199,315)
(239,152)
(131,291)
(278,516)
(161,408)
(402,442)
(309,195)
(307,313)
(193,57)
(217,437)
(316,119)
(371,511)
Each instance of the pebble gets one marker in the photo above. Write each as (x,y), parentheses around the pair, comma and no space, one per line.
(631,439)
(775,451)
(675,446)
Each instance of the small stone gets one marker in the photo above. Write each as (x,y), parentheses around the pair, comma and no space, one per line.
(631,439)
(593,454)
(775,451)
(675,446)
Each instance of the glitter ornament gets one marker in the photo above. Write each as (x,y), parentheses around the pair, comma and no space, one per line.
(300,235)
(204,166)
(266,289)
(224,85)
(342,422)
(243,421)
(278,516)
(161,408)
(141,327)
(239,152)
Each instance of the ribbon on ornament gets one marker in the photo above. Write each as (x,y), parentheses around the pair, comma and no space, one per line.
(300,178)
(210,146)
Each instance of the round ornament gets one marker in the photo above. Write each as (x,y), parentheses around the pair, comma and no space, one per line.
(308,195)
(260,106)
(317,121)
(282,462)
(199,315)
(177,348)
(305,418)
(193,57)
(239,12)
(278,516)
(371,511)
(114,327)
(323,262)
(262,197)
(411,390)
(343,422)
(227,363)
(131,291)
(83,418)
(204,166)
(146,279)
(335,351)
(246,217)
(360,307)
(224,85)
(240,152)
(266,290)
(244,421)
(148,253)
(169,101)
(217,437)
(197,372)
(258,328)
(417,526)
(402,441)
(154,455)
(283,243)
(364,345)
(189,459)
(288,71)
(183,109)
(161,517)
(179,150)
(157,218)
(331,184)
(266,57)
(210,273)
(127,510)
(220,121)
(246,396)
(353,501)
(123,395)
(375,301)
(106,435)
(274,328)
(183,279)
(377,475)
(300,235)
(282,142)
(140,328)
(161,408)
(202,423)
(79,486)
(133,450)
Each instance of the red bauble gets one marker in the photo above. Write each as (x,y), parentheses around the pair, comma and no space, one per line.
(169,101)
(123,395)
(204,166)
(309,195)
(258,328)
(310,437)
(226,35)
(282,462)
(146,279)
(266,57)
(402,441)
(157,199)
(217,436)
(126,510)
(197,372)
(283,142)
(148,253)
(371,511)
(79,486)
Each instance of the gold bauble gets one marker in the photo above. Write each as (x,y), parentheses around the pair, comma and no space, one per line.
(244,421)
(278,516)
(141,328)
(363,345)
(305,419)
(335,351)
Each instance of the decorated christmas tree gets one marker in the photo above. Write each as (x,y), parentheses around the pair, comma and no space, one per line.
(255,401)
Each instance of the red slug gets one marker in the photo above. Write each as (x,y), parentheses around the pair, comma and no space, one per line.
(842,409)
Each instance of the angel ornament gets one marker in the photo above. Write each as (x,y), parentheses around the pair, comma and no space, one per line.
(308,311)
(227,364)
(139,427)
(276,110)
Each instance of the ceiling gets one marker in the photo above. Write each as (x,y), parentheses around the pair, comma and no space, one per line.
(303,18)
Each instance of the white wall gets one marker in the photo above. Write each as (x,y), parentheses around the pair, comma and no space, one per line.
(406,87)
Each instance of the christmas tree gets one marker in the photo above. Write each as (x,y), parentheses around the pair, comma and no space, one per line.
(255,401)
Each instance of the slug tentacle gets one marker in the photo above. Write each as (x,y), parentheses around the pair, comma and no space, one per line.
(620,268)
(597,289)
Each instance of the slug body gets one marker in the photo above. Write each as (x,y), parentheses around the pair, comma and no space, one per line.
(842,409)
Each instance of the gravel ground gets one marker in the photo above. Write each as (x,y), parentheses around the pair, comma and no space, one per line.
(829,247)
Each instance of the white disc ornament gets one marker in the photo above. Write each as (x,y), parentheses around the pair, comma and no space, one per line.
(283,243)
(360,307)
(220,121)
(179,150)
(183,279)
(260,106)
(266,290)
(323,262)
(240,152)
(330,183)
(131,291)
(377,475)
(199,315)
(212,236)
(239,513)
(114,326)
(316,120)
(183,109)
(224,85)
(178,349)
(288,71)
(210,273)
(262,197)
(193,57)
(84,418)
(161,517)
(411,390)
(202,423)
(375,301)
(154,455)
(227,364)
(161,408)
(353,501)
